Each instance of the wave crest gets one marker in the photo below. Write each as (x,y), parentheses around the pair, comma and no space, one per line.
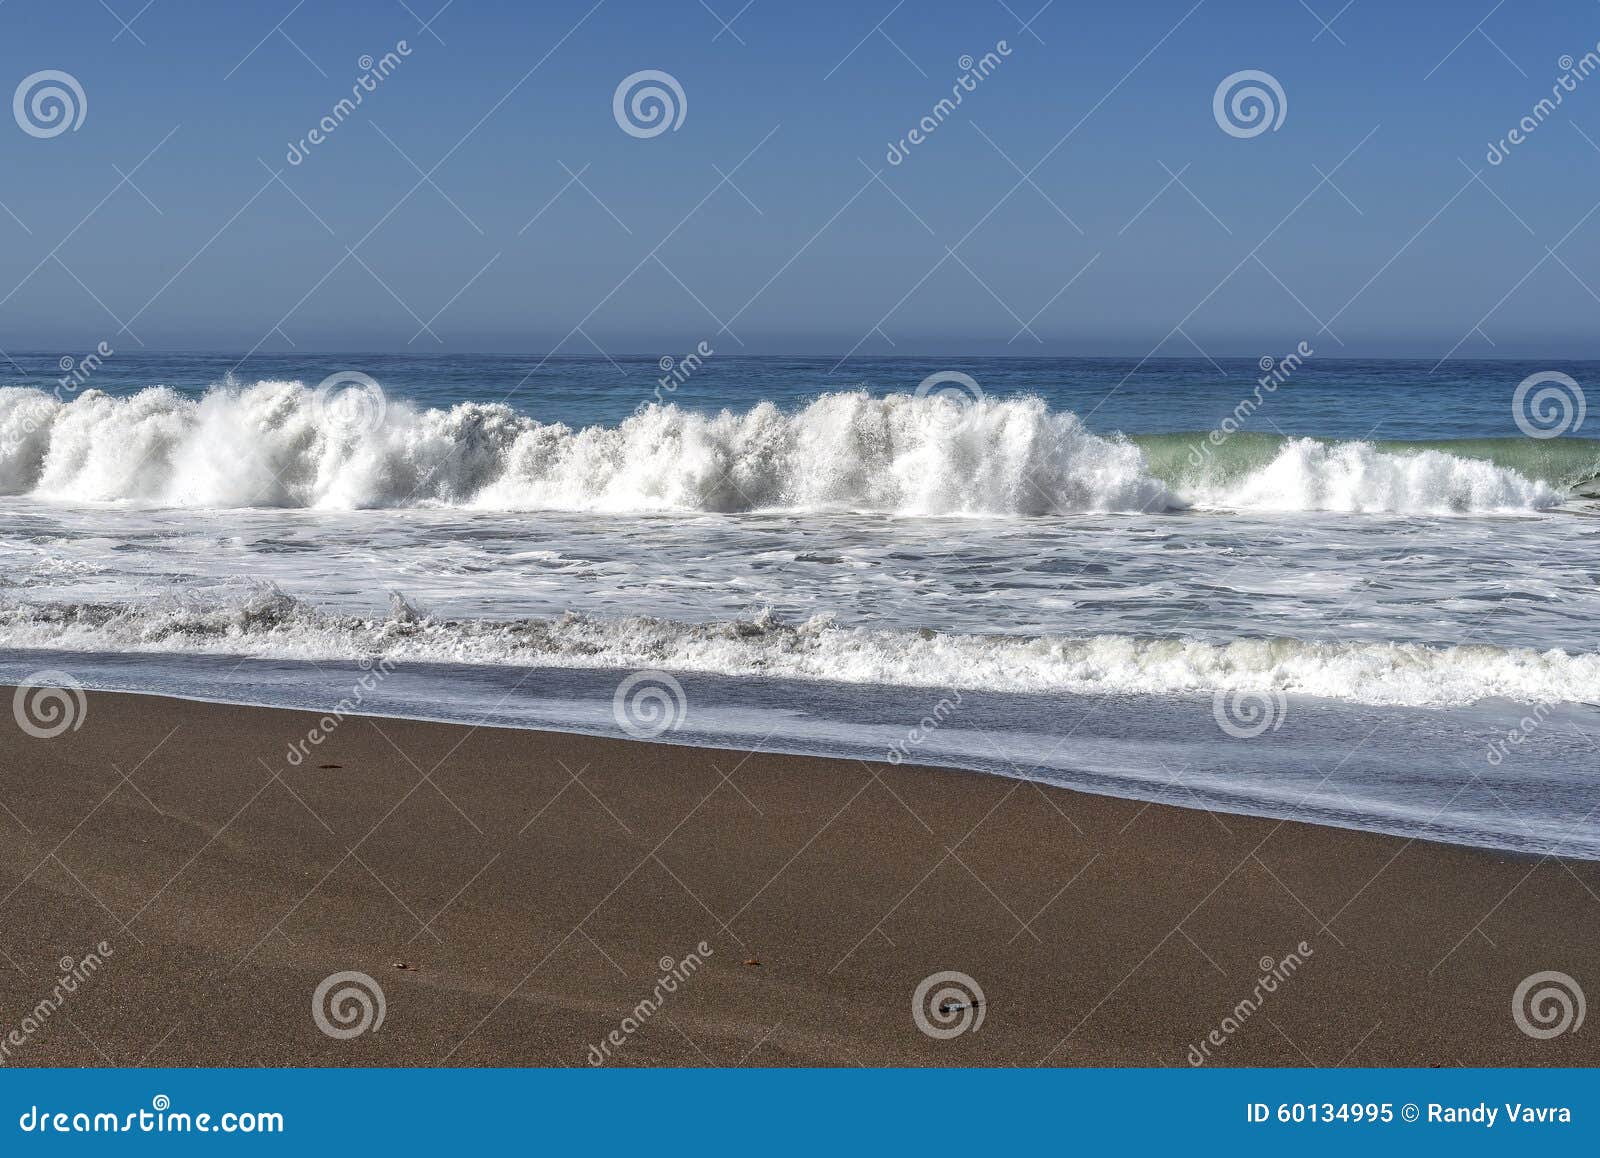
(272,445)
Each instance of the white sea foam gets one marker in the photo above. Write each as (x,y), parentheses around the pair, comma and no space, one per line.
(1355,476)
(270,623)
(272,445)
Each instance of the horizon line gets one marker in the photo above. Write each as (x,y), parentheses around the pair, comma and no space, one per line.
(841,359)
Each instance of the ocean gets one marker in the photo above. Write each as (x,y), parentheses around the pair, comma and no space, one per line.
(1355,592)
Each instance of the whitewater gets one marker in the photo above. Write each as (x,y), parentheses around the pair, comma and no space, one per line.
(269,622)
(890,540)
(281,444)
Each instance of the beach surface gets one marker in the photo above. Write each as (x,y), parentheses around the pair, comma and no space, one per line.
(517,895)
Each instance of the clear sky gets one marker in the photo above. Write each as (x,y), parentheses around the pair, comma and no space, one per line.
(1082,199)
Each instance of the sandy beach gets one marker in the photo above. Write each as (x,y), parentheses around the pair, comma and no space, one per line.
(516,895)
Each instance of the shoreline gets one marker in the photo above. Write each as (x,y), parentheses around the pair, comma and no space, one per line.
(535,885)
(729,750)
(1380,792)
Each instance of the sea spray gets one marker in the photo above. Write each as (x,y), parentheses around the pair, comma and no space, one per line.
(268,445)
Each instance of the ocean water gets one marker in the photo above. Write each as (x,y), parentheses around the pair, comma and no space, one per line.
(1350,591)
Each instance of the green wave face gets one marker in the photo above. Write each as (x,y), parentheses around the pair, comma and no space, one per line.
(1191,459)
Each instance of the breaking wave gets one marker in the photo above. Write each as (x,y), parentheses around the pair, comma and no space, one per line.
(270,623)
(278,444)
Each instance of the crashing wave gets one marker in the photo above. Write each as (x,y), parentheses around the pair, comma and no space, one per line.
(278,444)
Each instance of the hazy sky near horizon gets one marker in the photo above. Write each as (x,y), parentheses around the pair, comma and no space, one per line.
(1083,197)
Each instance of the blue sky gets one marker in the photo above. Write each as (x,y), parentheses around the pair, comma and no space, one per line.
(1141,227)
